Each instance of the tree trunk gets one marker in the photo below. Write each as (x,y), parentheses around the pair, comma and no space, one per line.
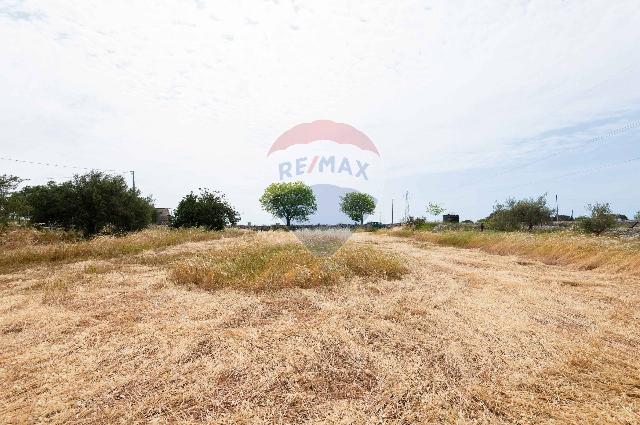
(288,221)
(361,220)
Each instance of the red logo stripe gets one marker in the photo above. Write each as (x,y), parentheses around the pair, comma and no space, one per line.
(305,133)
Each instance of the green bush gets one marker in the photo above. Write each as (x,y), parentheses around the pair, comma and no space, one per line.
(601,219)
(419,223)
(91,203)
(209,210)
(8,184)
(515,214)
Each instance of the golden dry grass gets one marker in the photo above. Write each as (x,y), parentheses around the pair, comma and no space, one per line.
(12,237)
(323,241)
(559,248)
(25,247)
(465,337)
(268,266)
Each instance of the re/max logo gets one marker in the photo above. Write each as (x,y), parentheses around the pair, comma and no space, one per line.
(322,164)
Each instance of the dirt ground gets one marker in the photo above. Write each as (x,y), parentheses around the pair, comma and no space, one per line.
(466,337)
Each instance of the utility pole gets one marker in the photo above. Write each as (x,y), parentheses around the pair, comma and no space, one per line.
(133,178)
(557,210)
(407,211)
(391,210)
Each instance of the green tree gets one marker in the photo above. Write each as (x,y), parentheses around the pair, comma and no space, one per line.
(435,209)
(8,184)
(356,205)
(208,209)
(289,201)
(637,216)
(601,219)
(514,214)
(90,203)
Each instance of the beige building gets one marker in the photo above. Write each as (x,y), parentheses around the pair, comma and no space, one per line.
(162,216)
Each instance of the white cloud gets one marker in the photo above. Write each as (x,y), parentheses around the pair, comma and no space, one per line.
(193,93)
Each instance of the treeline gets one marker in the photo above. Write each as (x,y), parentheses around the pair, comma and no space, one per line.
(101,203)
(89,203)
(528,213)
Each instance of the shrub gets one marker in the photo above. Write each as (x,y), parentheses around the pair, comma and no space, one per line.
(419,223)
(601,219)
(90,203)
(637,216)
(209,210)
(514,214)
(8,184)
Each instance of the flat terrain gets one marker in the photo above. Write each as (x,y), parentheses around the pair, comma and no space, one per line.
(464,337)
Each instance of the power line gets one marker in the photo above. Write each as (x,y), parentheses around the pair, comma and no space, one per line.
(611,133)
(576,173)
(53,164)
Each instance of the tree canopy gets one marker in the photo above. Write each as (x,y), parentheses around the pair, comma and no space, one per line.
(435,209)
(514,214)
(91,203)
(289,201)
(356,205)
(8,184)
(208,209)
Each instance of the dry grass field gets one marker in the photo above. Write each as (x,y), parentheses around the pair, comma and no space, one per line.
(239,327)
(585,252)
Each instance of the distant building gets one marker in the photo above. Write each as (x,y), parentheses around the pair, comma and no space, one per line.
(451,218)
(162,216)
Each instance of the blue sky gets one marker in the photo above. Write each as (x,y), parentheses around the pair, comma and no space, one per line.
(595,166)
(469,102)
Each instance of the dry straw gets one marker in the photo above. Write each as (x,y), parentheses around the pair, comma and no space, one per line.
(102,336)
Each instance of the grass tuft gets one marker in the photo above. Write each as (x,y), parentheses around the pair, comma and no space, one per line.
(367,261)
(274,266)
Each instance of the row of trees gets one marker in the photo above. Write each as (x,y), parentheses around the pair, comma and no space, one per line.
(97,202)
(295,201)
(516,214)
